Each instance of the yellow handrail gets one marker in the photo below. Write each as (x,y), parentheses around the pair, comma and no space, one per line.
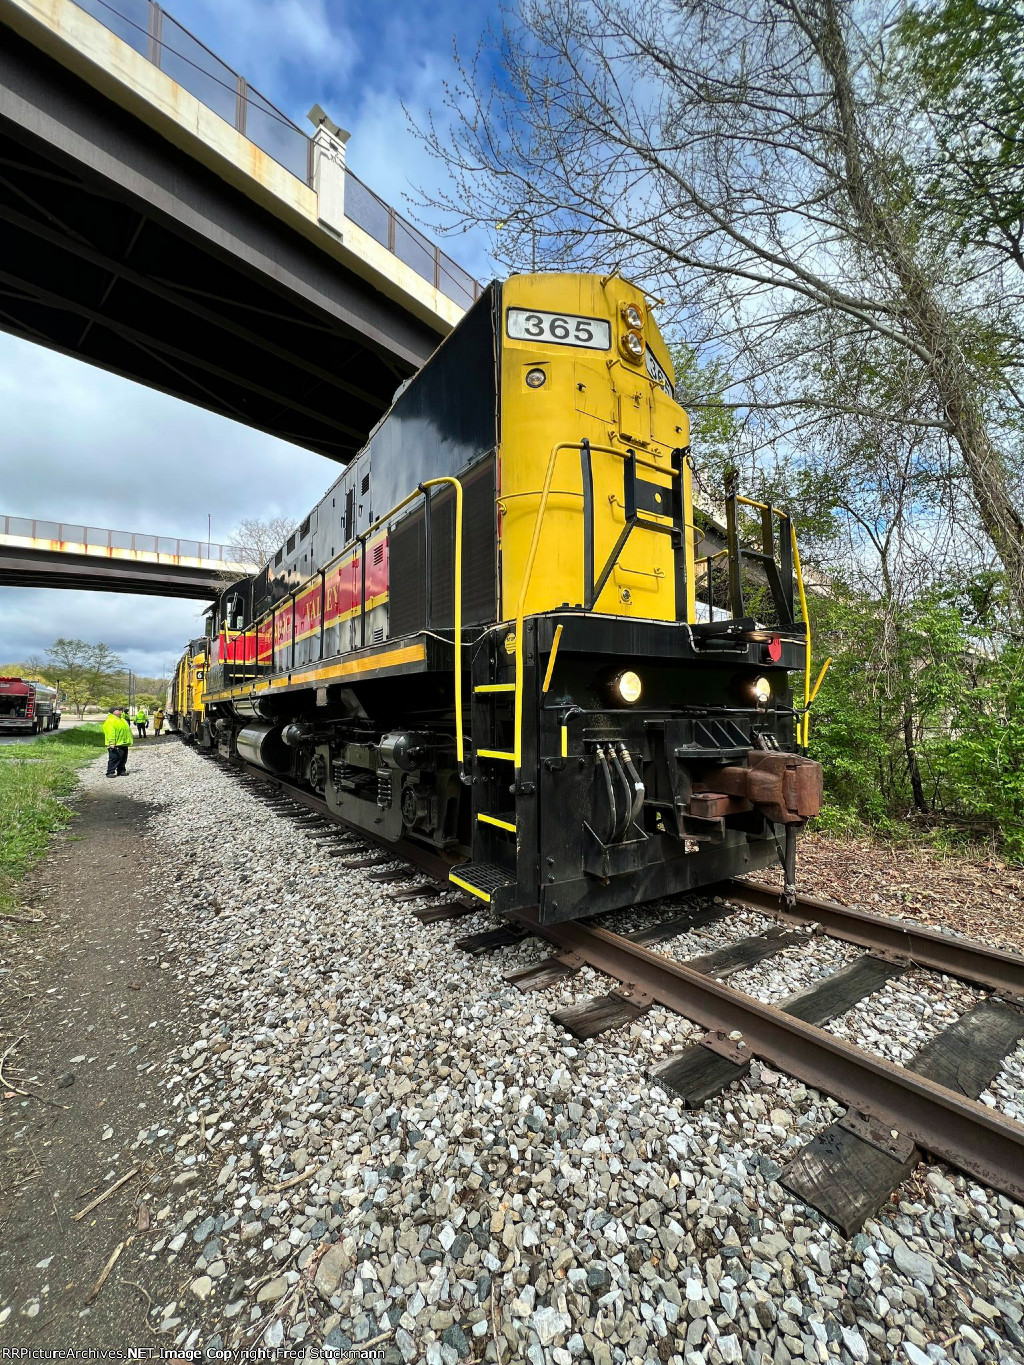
(821,678)
(362,538)
(762,506)
(801,730)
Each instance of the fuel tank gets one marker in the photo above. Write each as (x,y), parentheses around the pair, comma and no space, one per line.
(263,746)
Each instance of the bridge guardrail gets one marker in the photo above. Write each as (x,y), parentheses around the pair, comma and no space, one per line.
(102,538)
(147,28)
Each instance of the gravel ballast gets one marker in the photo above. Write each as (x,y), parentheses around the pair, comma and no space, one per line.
(383,1146)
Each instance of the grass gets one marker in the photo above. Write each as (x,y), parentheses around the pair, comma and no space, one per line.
(34,779)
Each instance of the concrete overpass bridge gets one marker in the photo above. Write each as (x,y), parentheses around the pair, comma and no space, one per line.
(161,219)
(51,554)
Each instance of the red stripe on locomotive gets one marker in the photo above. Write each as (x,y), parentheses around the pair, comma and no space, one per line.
(308,611)
(283,626)
(377,569)
(239,649)
(343,584)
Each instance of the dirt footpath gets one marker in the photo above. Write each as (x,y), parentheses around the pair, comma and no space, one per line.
(88,1011)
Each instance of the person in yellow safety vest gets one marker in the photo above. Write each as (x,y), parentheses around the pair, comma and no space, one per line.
(118,734)
(141,722)
(158,721)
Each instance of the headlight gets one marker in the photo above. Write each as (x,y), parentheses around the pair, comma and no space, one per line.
(762,691)
(633,345)
(627,687)
(535,378)
(634,317)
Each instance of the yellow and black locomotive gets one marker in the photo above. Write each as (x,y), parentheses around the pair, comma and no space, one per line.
(486,637)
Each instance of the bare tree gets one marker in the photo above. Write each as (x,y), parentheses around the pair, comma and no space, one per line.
(254,542)
(753,165)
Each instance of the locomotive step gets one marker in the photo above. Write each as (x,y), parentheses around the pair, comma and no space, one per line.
(506,821)
(481,879)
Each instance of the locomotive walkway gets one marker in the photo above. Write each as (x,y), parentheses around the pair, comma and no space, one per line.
(161,219)
(52,554)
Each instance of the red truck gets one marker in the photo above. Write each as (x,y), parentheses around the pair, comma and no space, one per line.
(27,707)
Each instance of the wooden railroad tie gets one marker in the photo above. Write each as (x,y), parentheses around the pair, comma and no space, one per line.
(544,973)
(437,914)
(663,930)
(502,937)
(698,1073)
(600,1013)
(412,893)
(848,1172)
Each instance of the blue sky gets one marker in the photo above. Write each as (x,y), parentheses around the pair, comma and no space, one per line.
(361,63)
(81,445)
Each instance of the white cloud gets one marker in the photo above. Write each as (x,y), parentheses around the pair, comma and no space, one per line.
(275,43)
(84,446)
(81,445)
(149,633)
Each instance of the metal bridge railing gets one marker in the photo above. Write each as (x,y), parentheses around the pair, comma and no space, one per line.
(102,538)
(147,28)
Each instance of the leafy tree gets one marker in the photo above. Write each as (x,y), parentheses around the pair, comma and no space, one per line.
(83,670)
(926,723)
(966,58)
(757,166)
(33,669)
(980,754)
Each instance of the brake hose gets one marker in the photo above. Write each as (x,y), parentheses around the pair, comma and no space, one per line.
(640,791)
(627,805)
(601,758)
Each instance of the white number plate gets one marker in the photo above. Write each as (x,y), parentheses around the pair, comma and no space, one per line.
(658,374)
(560,329)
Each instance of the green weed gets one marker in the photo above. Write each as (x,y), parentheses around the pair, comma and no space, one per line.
(34,779)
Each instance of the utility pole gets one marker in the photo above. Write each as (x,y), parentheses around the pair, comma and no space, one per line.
(209,548)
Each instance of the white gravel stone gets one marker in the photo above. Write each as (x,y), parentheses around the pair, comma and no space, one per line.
(352,1081)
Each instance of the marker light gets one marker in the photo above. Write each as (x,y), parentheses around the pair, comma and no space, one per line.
(627,687)
(634,317)
(535,378)
(762,691)
(633,345)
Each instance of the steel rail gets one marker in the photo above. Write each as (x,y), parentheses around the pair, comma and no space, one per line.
(961,1131)
(431,864)
(939,1121)
(964,958)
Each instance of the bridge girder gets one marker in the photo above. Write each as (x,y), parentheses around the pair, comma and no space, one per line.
(91,573)
(118,248)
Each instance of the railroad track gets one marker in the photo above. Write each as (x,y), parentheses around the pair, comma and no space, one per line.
(895,1114)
